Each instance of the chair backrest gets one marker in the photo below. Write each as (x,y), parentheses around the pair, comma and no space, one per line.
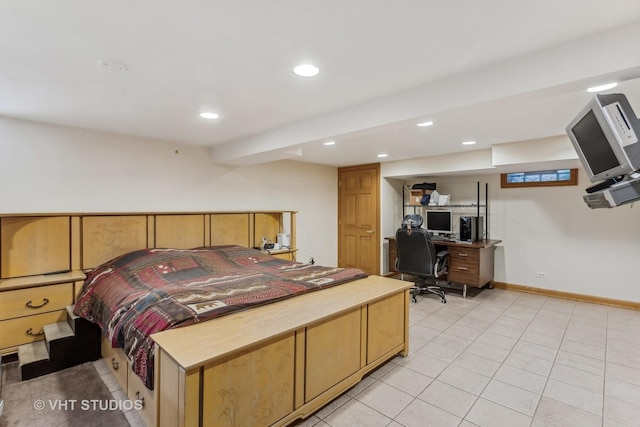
(412,220)
(415,251)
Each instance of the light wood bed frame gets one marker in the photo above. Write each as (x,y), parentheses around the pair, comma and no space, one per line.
(266,366)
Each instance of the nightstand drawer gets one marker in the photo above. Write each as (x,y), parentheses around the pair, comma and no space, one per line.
(30,301)
(23,330)
(283,255)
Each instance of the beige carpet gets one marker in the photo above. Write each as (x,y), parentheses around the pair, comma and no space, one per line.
(73,397)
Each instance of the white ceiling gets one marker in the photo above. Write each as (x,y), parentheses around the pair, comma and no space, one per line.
(494,71)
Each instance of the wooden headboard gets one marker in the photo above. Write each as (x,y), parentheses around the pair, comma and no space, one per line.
(43,244)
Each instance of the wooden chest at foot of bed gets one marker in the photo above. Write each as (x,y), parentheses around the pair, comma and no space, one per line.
(274,364)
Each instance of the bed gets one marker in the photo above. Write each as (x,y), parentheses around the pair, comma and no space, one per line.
(147,291)
(267,365)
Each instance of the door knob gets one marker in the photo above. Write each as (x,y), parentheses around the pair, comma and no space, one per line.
(371,231)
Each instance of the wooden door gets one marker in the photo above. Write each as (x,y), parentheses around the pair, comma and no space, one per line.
(358,218)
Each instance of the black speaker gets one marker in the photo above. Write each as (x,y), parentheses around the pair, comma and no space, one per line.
(471,228)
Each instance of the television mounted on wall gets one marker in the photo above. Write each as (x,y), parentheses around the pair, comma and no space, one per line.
(605,136)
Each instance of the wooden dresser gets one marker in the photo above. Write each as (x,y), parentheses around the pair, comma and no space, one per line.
(29,303)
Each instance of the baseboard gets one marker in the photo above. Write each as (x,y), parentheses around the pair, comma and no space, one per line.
(569,295)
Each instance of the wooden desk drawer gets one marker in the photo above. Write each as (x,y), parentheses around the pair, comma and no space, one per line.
(464,266)
(27,329)
(393,254)
(463,277)
(465,256)
(30,301)
(116,362)
(137,391)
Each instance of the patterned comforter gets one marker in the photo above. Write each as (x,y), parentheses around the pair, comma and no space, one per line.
(151,290)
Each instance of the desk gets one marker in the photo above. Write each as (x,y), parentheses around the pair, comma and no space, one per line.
(470,264)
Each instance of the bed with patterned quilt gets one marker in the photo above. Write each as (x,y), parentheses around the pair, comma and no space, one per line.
(147,291)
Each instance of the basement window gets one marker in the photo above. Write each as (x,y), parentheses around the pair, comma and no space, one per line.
(547,178)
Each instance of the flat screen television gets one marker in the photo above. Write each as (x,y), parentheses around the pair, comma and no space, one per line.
(439,221)
(605,136)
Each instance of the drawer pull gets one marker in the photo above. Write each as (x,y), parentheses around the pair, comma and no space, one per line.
(45,301)
(34,334)
(463,254)
(463,268)
(114,364)
(141,399)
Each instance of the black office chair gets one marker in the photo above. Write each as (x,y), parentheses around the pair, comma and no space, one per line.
(417,256)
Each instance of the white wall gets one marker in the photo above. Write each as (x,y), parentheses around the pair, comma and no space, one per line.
(551,230)
(390,215)
(49,168)
(57,169)
(582,250)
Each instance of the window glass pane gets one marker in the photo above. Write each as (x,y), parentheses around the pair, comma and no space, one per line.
(515,177)
(540,178)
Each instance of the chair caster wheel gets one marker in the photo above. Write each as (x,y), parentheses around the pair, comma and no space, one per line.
(442,300)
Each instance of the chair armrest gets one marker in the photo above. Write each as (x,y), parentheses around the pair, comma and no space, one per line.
(442,259)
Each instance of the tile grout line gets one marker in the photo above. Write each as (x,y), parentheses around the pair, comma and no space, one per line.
(552,365)
(509,353)
(463,418)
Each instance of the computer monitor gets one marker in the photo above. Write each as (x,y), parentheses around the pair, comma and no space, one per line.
(605,136)
(439,221)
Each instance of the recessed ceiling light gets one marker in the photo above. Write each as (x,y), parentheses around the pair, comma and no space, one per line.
(306,70)
(424,124)
(210,116)
(468,142)
(602,87)
(382,155)
(329,143)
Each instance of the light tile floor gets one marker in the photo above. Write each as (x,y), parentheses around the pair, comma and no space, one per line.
(497,358)
(503,358)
